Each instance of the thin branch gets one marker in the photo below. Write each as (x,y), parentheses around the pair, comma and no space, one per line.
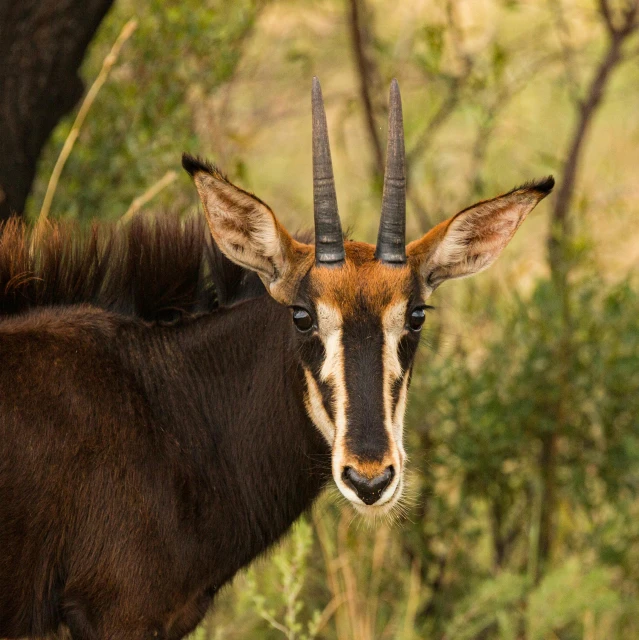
(107,64)
(425,220)
(265,615)
(567,52)
(606,14)
(628,15)
(630,18)
(364,66)
(148,195)
(446,109)
(329,610)
(489,123)
(367,71)
(448,106)
(558,244)
(611,59)
(443,113)
(457,37)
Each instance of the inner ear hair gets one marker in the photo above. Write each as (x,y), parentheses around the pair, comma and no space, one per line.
(471,241)
(247,231)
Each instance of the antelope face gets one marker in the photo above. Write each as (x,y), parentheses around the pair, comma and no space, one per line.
(358,327)
(356,309)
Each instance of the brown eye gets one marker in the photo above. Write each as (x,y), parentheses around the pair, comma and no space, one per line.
(416,319)
(302,319)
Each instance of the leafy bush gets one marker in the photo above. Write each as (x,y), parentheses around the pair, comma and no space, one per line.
(483,413)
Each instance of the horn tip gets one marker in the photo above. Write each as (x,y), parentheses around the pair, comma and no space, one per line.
(394,91)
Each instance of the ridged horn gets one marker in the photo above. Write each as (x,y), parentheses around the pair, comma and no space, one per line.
(391,239)
(329,241)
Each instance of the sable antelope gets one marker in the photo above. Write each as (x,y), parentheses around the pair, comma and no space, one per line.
(156,436)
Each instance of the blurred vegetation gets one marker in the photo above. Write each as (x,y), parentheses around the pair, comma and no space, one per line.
(522,519)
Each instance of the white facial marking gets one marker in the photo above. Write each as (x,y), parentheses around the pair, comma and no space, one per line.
(398,417)
(329,321)
(329,324)
(394,326)
(316,410)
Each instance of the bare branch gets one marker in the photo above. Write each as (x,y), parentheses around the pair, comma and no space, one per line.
(457,37)
(628,21)
(425,220)
(364,70)
(451,101)
(558,243)
(486,129)
(367,71)
(148,195)
(442,114)
(606,14)
(630,18)
(568,53)
(107,64)
(610,61)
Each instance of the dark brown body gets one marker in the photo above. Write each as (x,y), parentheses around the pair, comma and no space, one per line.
(154,442)
(141,465)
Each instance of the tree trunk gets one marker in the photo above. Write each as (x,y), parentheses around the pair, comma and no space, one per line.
(42,44)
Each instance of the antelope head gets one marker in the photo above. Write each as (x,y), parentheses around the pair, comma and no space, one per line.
(357,310)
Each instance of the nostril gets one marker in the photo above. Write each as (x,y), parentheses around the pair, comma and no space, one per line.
(369,490)
(390,470)
(353,479)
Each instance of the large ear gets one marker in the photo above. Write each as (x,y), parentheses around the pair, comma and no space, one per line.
(248,233)
(471,241)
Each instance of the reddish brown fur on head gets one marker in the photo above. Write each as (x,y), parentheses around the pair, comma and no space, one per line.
(361,277)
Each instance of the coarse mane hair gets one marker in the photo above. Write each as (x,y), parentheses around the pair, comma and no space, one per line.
(159,269)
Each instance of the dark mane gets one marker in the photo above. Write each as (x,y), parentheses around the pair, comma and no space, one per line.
(157,269)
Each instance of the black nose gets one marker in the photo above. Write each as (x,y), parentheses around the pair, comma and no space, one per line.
(368,490)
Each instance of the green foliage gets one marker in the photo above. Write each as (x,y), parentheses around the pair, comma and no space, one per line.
(282,610)
(566,595)
(483,418)
(429,47)
(493,604)
(143,119)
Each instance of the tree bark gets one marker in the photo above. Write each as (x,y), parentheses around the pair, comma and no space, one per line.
(42,44)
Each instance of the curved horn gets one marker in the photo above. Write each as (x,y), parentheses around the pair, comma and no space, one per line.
(329,241)
(391,239)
